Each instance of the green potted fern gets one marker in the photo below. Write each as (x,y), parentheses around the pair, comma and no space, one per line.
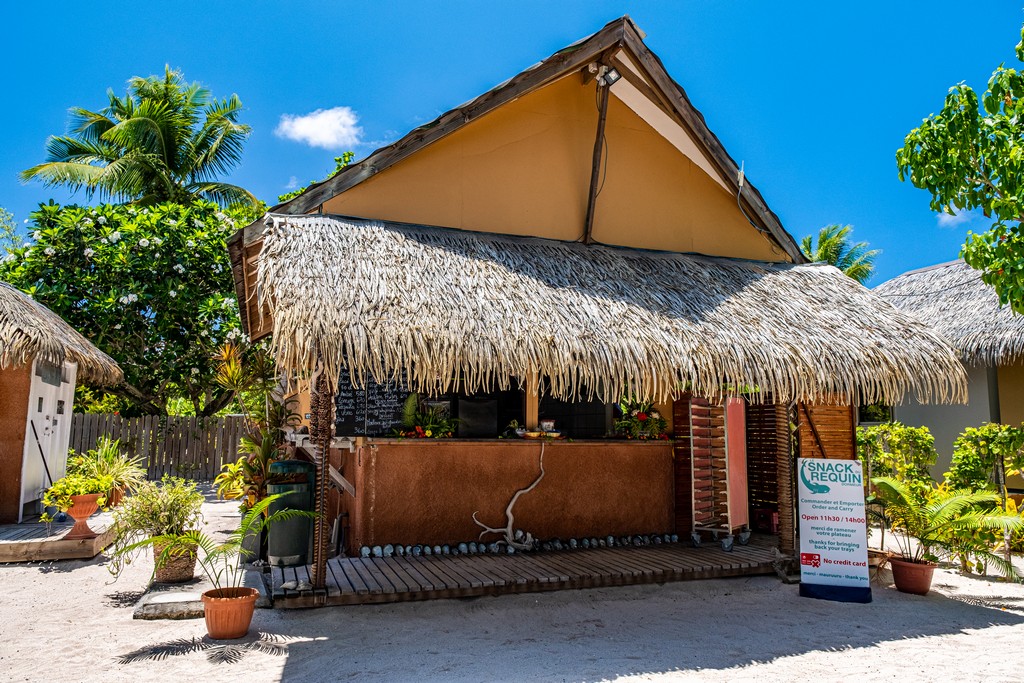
(940,523)
(107,460)
(170,507)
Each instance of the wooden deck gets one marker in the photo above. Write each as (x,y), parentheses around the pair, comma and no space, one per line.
(29,541)
(355,581)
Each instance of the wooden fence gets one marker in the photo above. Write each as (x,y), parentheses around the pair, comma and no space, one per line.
(190,447)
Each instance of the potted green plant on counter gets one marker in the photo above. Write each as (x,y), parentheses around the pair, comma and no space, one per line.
(79,495)
(940,523)
(171,507)
(228,606)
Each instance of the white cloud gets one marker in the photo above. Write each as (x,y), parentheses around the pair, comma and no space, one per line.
(293,183)
(334,128)
(958,217)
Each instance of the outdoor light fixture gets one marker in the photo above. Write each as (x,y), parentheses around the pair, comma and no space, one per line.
(608,76)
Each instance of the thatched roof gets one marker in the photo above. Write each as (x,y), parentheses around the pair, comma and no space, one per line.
(30,330)
(952,299)
(379,298)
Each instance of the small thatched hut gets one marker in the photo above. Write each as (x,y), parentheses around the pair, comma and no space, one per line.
(41,357)
(988,337)
(574,235)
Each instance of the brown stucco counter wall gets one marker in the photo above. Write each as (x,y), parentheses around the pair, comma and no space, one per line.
(14,389)
(426,491)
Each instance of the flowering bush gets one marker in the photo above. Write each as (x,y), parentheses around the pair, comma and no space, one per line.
(151,286)
(640,421)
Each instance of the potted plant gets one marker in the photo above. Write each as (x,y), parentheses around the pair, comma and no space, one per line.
(106,459)
(169,508)
(78,495)
(228,606)
(640,421)
(938,523)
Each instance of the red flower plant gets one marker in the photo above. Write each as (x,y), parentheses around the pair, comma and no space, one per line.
(642,417)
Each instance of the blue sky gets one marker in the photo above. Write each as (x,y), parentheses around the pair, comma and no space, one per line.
(813,97)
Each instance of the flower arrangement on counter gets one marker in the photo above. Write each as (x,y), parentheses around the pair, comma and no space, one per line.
(423,421)
(640,421)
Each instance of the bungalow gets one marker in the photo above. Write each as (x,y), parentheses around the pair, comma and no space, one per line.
(575,235)
(41,358)
(988,337)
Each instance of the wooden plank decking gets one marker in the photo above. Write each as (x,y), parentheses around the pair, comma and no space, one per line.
(354,581)
(29,541)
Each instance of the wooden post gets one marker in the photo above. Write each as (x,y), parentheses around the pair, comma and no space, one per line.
(595,167)
(532,400)
(321,419)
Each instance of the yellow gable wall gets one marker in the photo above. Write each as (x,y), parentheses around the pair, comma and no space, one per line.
(1011,394)
(524,169)
(654,197)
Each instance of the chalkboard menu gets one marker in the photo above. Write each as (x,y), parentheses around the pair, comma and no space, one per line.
(374,410)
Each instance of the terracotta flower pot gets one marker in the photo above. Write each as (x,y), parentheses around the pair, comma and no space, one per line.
(115,496)
(912,577)
(180,566)
(82,508)
(228,612)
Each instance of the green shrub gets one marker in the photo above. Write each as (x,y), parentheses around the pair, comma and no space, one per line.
(897,451)
(977,451)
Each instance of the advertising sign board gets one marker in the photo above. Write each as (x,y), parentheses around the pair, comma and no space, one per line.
(833,530)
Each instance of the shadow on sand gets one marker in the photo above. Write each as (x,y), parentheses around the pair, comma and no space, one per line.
(590,635)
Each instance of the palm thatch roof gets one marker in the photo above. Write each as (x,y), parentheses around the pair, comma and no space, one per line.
(380,298)
(30,330)
(952,298)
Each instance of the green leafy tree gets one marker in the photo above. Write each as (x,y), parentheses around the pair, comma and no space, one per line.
(151,286)
(165,140)
(339,163)
(970,156)
(9,237)
(834,247)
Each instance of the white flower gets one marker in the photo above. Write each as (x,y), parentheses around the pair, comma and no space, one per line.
(50,251)
(143,243)
(89,252)
(28,252)
(117,326)
(36,235)
(635,413)
(171,221)
(86,221)
(173,293)
(195,371)
(115,236)
(221,215)
(104,240)
(228,301)
(123,300)
(190,244)
(197,223)
(10,257)
(102,220)
(180,268)
(157,241)
(145,212)
(655,414)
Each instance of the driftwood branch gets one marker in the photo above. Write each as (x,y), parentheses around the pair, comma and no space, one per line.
(508,532)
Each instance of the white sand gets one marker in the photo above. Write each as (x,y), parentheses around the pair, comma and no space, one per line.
(66,621)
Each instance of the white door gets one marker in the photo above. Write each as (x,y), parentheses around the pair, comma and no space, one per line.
(48,428)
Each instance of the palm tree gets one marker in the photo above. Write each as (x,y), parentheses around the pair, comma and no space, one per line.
(165,140)
(834,247)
